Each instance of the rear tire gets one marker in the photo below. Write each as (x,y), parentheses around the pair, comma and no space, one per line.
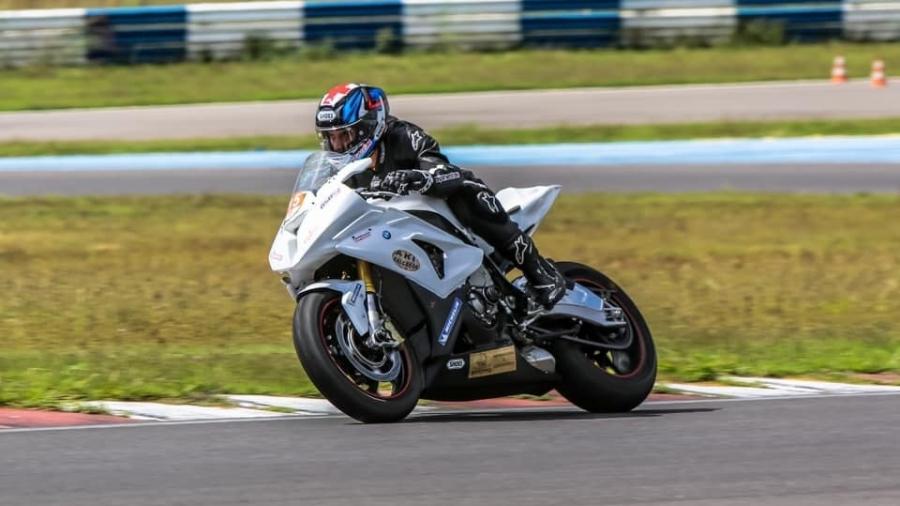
(589,380)
(333,375)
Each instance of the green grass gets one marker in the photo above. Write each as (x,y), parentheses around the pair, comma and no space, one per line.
(171,297)
(473,134)
(306,76)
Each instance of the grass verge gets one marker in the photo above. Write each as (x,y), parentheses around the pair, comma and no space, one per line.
(305,76)
(171,297)
(474,134)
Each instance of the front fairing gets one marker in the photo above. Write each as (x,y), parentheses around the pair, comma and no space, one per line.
(333,219)
(305,239)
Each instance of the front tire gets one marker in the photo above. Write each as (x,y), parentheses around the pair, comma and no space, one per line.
(597,381)
(315,320)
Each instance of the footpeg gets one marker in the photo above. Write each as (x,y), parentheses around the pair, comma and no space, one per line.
(539,358)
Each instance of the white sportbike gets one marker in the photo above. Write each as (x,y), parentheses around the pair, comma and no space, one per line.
(397,301)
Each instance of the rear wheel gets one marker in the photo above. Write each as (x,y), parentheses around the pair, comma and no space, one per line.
(603,380)
(370,385)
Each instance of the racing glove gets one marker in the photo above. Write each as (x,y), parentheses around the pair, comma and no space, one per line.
(405,181)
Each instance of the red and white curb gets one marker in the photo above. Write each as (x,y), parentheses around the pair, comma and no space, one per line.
(267,406)
(245,406)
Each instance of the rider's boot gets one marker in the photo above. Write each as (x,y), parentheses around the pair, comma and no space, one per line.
(545,280)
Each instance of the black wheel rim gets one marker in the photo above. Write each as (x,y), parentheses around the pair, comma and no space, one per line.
(385,390)
(611,361)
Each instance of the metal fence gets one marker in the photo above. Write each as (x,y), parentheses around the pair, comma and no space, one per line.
(215,31)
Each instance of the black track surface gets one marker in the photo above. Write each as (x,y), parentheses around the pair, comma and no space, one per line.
(669,178)
(823,452)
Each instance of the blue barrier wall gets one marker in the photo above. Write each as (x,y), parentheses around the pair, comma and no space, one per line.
(570,23)
(353,25)
(173,33)
(803,20)
(137,35)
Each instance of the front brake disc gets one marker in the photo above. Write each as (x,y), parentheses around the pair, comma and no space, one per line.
(386,369)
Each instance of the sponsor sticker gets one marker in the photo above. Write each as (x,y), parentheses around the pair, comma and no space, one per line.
(490,362)
(356,292)
(406,260)
(456,364)
(447,329)
(325,115)
(363,236)
(443,178)
(328,199)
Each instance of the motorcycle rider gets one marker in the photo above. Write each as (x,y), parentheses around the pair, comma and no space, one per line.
(355,119)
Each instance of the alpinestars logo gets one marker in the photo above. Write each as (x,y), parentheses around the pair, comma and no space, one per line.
(415,138)
(489,200)
(522,245)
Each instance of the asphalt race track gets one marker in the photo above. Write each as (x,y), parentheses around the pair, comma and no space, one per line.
(669,178)
(505,109)
(797,452)
(815,452)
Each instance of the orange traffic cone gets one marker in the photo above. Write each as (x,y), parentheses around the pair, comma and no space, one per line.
(839,70)
(878,78)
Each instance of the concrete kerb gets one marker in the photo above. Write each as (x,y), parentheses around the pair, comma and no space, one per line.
(247,407)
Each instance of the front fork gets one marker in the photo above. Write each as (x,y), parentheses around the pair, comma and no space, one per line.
(378,335)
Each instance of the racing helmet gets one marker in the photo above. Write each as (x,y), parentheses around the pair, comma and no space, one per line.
(351,118)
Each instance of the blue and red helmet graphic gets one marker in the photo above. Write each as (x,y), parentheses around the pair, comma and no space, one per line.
(358,109)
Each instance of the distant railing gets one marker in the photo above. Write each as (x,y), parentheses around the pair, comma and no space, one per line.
(228,30)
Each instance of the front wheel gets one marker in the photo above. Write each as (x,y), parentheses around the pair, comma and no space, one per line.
(601,380)
(372,386)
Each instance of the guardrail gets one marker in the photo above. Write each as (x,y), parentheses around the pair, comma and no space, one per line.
(215,31)
(53,36)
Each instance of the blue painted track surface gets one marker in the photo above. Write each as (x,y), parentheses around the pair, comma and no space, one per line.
(821,150)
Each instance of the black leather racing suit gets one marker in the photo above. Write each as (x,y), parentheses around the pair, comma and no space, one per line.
(405,146)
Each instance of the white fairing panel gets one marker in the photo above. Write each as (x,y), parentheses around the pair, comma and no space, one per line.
(336,219)
(304,242)
(528,206)
(438,206)
(387,239)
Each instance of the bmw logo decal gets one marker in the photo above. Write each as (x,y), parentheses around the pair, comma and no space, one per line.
(386,234)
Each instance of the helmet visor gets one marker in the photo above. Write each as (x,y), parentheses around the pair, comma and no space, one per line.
(338,140)
(347,138)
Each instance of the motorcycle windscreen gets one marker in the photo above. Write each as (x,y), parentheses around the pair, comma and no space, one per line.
(317,168)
